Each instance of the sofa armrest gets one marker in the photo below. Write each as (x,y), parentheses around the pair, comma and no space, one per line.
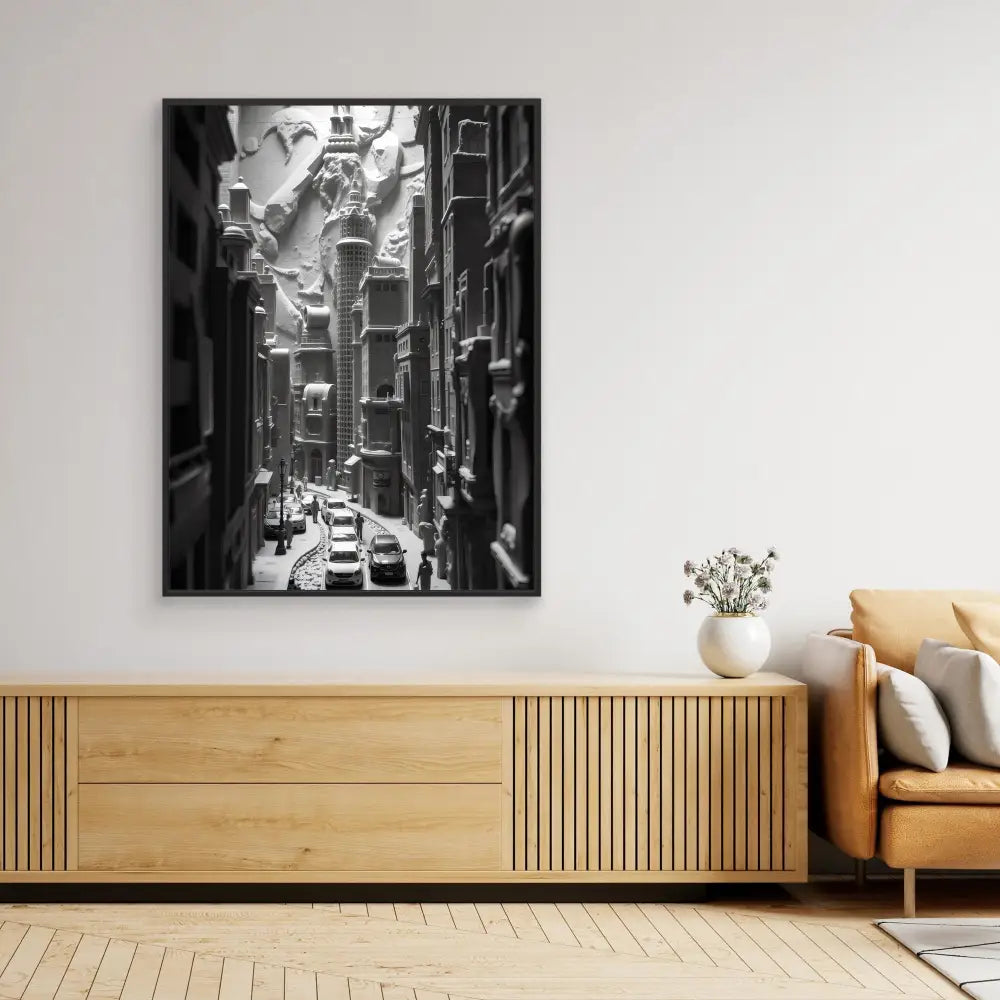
(843,751)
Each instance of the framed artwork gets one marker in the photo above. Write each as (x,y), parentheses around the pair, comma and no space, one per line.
(351,375)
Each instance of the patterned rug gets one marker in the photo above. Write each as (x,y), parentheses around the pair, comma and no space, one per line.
(966,950)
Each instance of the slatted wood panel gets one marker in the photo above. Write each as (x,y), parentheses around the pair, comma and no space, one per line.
(707,783)
(37,783)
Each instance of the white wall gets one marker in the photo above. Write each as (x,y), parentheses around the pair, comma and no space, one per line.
(770,259)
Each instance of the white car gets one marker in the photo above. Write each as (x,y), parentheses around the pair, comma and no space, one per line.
(272,521)
(344,534)
(341,519)
(331,506)
(343,566)
(295,514)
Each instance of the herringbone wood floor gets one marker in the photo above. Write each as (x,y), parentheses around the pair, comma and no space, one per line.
(819,946)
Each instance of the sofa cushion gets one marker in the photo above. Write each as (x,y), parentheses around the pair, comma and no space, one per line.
(967,683)
(980,621)
(964,783)
(912,725)
(895,622)
(938,835)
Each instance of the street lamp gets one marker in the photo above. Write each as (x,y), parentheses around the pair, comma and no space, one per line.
(279,549)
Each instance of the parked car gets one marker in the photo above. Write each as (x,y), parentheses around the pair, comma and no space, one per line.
(272,521)
(343,566)
(307,500)
(332,504)
(342,519)
(385,558)
(295,514)
(344,535)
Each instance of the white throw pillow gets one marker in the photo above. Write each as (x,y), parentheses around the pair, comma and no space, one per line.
(967,683)
(912,725)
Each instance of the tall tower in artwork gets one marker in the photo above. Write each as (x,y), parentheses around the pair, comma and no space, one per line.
(354,254)
(313,439)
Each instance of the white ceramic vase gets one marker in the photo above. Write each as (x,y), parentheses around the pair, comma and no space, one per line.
(733,645)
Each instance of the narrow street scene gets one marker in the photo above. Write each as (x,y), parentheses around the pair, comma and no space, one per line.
(352,323)
(378,541)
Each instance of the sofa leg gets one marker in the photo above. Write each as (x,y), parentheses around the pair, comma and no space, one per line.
(909,892)
(860,872)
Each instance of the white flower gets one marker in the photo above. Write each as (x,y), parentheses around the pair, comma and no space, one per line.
(731,581)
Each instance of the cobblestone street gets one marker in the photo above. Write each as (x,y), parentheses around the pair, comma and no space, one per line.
(271,572)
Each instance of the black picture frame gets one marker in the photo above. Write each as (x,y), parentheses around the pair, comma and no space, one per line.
(168,587)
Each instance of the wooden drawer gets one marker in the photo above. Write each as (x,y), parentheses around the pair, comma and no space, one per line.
(266,828)
(274,739)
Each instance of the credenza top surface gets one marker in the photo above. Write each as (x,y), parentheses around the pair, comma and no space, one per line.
(486,685)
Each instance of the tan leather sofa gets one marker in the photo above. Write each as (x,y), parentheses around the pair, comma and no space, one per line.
(864,802)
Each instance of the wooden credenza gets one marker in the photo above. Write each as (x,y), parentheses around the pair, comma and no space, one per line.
(569,779)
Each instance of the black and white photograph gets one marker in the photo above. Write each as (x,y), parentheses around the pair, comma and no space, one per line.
(351,347)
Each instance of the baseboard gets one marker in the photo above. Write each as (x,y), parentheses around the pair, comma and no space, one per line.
(225,892)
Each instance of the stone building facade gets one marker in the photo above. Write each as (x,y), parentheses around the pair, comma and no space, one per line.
(464,232)
(315,439)
(383,296)
(413,374)
(217,334)
(239,482)
(413,393)
(439,449)
(198,138)
(354,254)
(479,295)
(234,215)
(349,478)
(281,408)
(456,233)
(511,325)
(264,342)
